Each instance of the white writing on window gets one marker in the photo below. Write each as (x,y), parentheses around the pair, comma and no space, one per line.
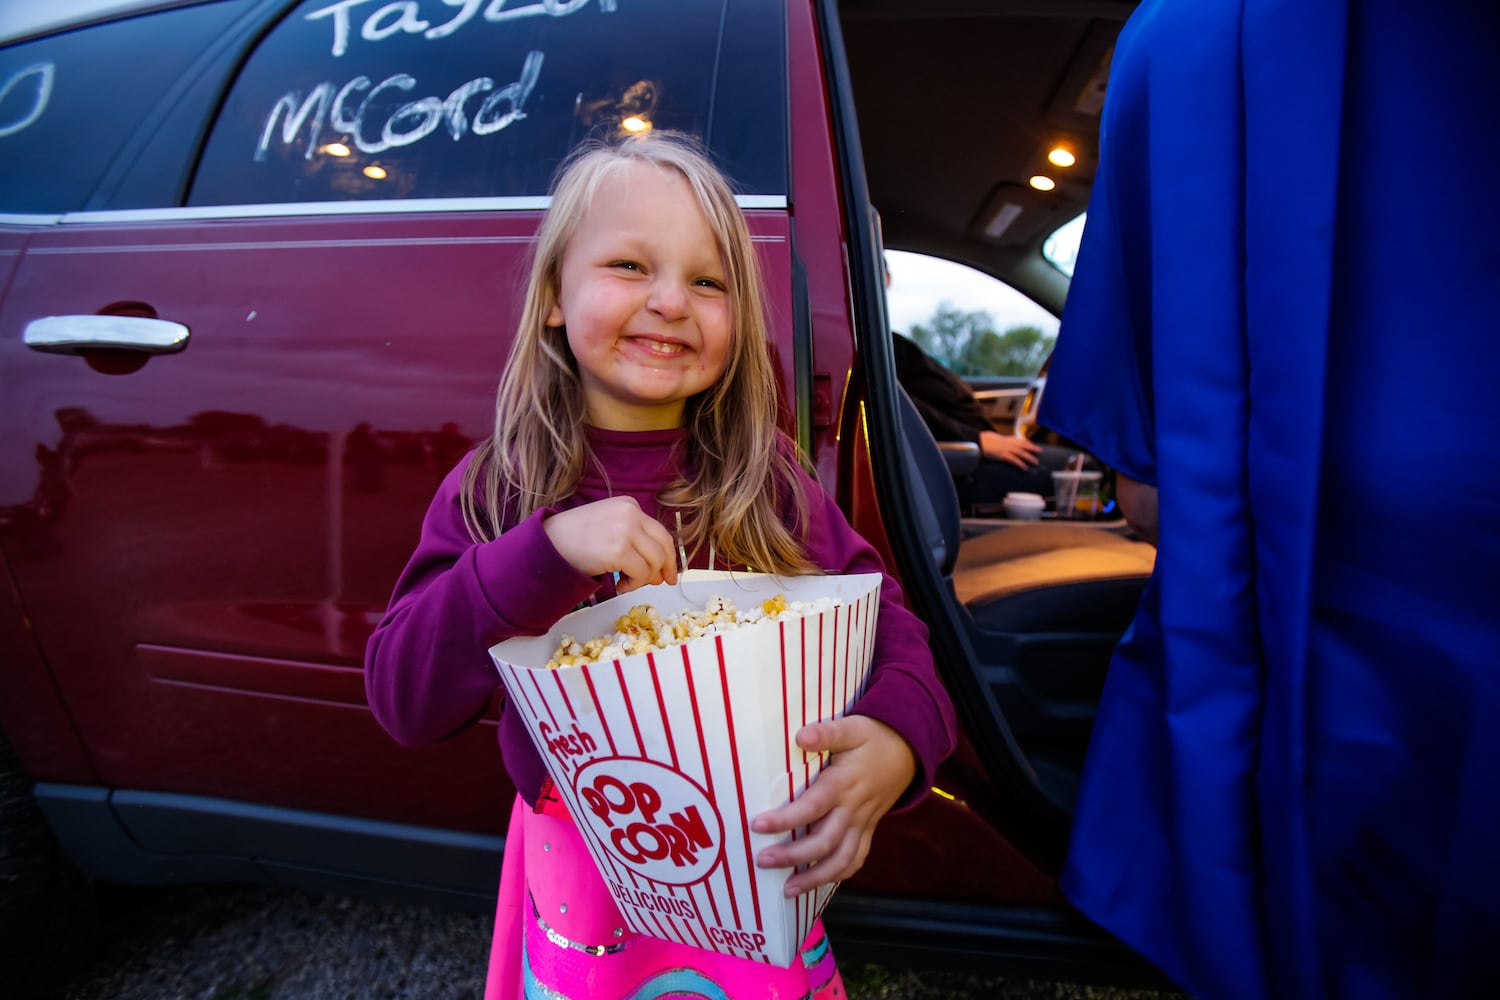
(41,73)
(405,17)
(327,105)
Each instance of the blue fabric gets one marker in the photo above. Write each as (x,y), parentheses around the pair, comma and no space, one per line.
(1286,316)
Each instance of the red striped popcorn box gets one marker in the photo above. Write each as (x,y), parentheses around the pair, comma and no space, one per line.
(663,758)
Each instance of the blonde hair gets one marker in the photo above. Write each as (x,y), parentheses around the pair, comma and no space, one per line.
(740,472)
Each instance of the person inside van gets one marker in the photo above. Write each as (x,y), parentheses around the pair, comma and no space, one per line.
(1007,462)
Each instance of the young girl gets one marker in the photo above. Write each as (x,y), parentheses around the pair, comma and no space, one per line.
(640,390)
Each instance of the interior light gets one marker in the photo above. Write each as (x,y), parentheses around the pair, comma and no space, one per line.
(1043,183)
(375,173)
(1061,156)
(999,222)
(635,123)
(336,149)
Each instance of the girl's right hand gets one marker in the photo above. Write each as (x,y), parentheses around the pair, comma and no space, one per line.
(614,536)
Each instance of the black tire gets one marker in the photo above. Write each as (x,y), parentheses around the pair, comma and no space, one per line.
(45,911)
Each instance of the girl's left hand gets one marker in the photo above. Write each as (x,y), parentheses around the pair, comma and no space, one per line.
(871,767)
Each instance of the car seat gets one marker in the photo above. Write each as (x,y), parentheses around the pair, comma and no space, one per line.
(1045,604)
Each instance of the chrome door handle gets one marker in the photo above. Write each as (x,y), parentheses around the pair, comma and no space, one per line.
(76,334)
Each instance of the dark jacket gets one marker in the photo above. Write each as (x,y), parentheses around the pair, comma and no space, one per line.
(944,400)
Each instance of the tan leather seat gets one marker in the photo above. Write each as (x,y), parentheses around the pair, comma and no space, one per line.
(1020,557)
(1069,585)
(1045,603)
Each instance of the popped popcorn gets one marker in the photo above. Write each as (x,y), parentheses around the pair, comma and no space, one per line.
(643,629)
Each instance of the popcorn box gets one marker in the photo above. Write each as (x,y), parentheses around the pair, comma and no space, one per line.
(663,758)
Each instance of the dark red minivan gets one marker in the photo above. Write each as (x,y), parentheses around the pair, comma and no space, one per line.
(260,261)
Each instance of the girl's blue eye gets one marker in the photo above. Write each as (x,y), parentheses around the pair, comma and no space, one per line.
(629,265)
(710,283)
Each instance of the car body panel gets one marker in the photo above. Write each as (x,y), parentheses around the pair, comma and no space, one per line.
(236,514)
(197,544)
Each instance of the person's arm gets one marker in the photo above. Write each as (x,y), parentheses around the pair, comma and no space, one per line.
(945,401)
(886,750)
(946,420)
(1138,504)
(428,673)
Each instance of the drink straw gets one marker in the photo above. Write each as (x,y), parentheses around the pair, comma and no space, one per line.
(1067,494)
(1070,484)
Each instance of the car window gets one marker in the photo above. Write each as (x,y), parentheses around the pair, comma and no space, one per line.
(349,99)
(974,324)
(70,102)
(1061,247)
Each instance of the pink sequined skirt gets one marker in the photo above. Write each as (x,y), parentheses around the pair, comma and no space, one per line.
(559,936)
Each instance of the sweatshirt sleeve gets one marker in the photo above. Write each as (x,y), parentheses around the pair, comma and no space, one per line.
(904,690)
(428,673)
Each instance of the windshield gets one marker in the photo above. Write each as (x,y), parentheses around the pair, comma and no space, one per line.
(975,325)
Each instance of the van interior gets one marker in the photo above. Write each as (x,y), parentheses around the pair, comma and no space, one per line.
(956,107)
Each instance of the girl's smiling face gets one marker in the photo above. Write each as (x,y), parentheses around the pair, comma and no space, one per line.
(642,295)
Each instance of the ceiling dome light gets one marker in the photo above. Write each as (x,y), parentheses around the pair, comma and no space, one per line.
(635,124)
(336,149)
(375,173)
(1043,183)
(1061,156)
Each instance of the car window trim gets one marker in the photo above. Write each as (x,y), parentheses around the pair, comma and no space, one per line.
(22,26)
(12,219)
(384,207)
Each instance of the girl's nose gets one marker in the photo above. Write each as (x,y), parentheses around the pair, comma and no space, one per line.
(669,298)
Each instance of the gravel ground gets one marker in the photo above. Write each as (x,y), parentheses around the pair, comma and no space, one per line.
(266,943)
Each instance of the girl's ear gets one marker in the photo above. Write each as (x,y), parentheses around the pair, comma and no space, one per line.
(555,316)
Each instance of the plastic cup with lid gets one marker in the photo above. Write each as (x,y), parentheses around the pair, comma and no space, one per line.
(1078,493)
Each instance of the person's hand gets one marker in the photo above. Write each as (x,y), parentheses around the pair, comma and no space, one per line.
(614,536)
(871,767)
(1018,451)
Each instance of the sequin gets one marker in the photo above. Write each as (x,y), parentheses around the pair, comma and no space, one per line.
(565,942)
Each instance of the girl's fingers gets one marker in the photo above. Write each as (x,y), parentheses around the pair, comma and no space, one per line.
(814,867)
(813,804)
(649,557)
(838,863)
(639,568)
(841,862)
(664,549)
(820,842)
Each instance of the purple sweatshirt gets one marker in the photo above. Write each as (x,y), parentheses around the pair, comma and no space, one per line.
(428,673)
